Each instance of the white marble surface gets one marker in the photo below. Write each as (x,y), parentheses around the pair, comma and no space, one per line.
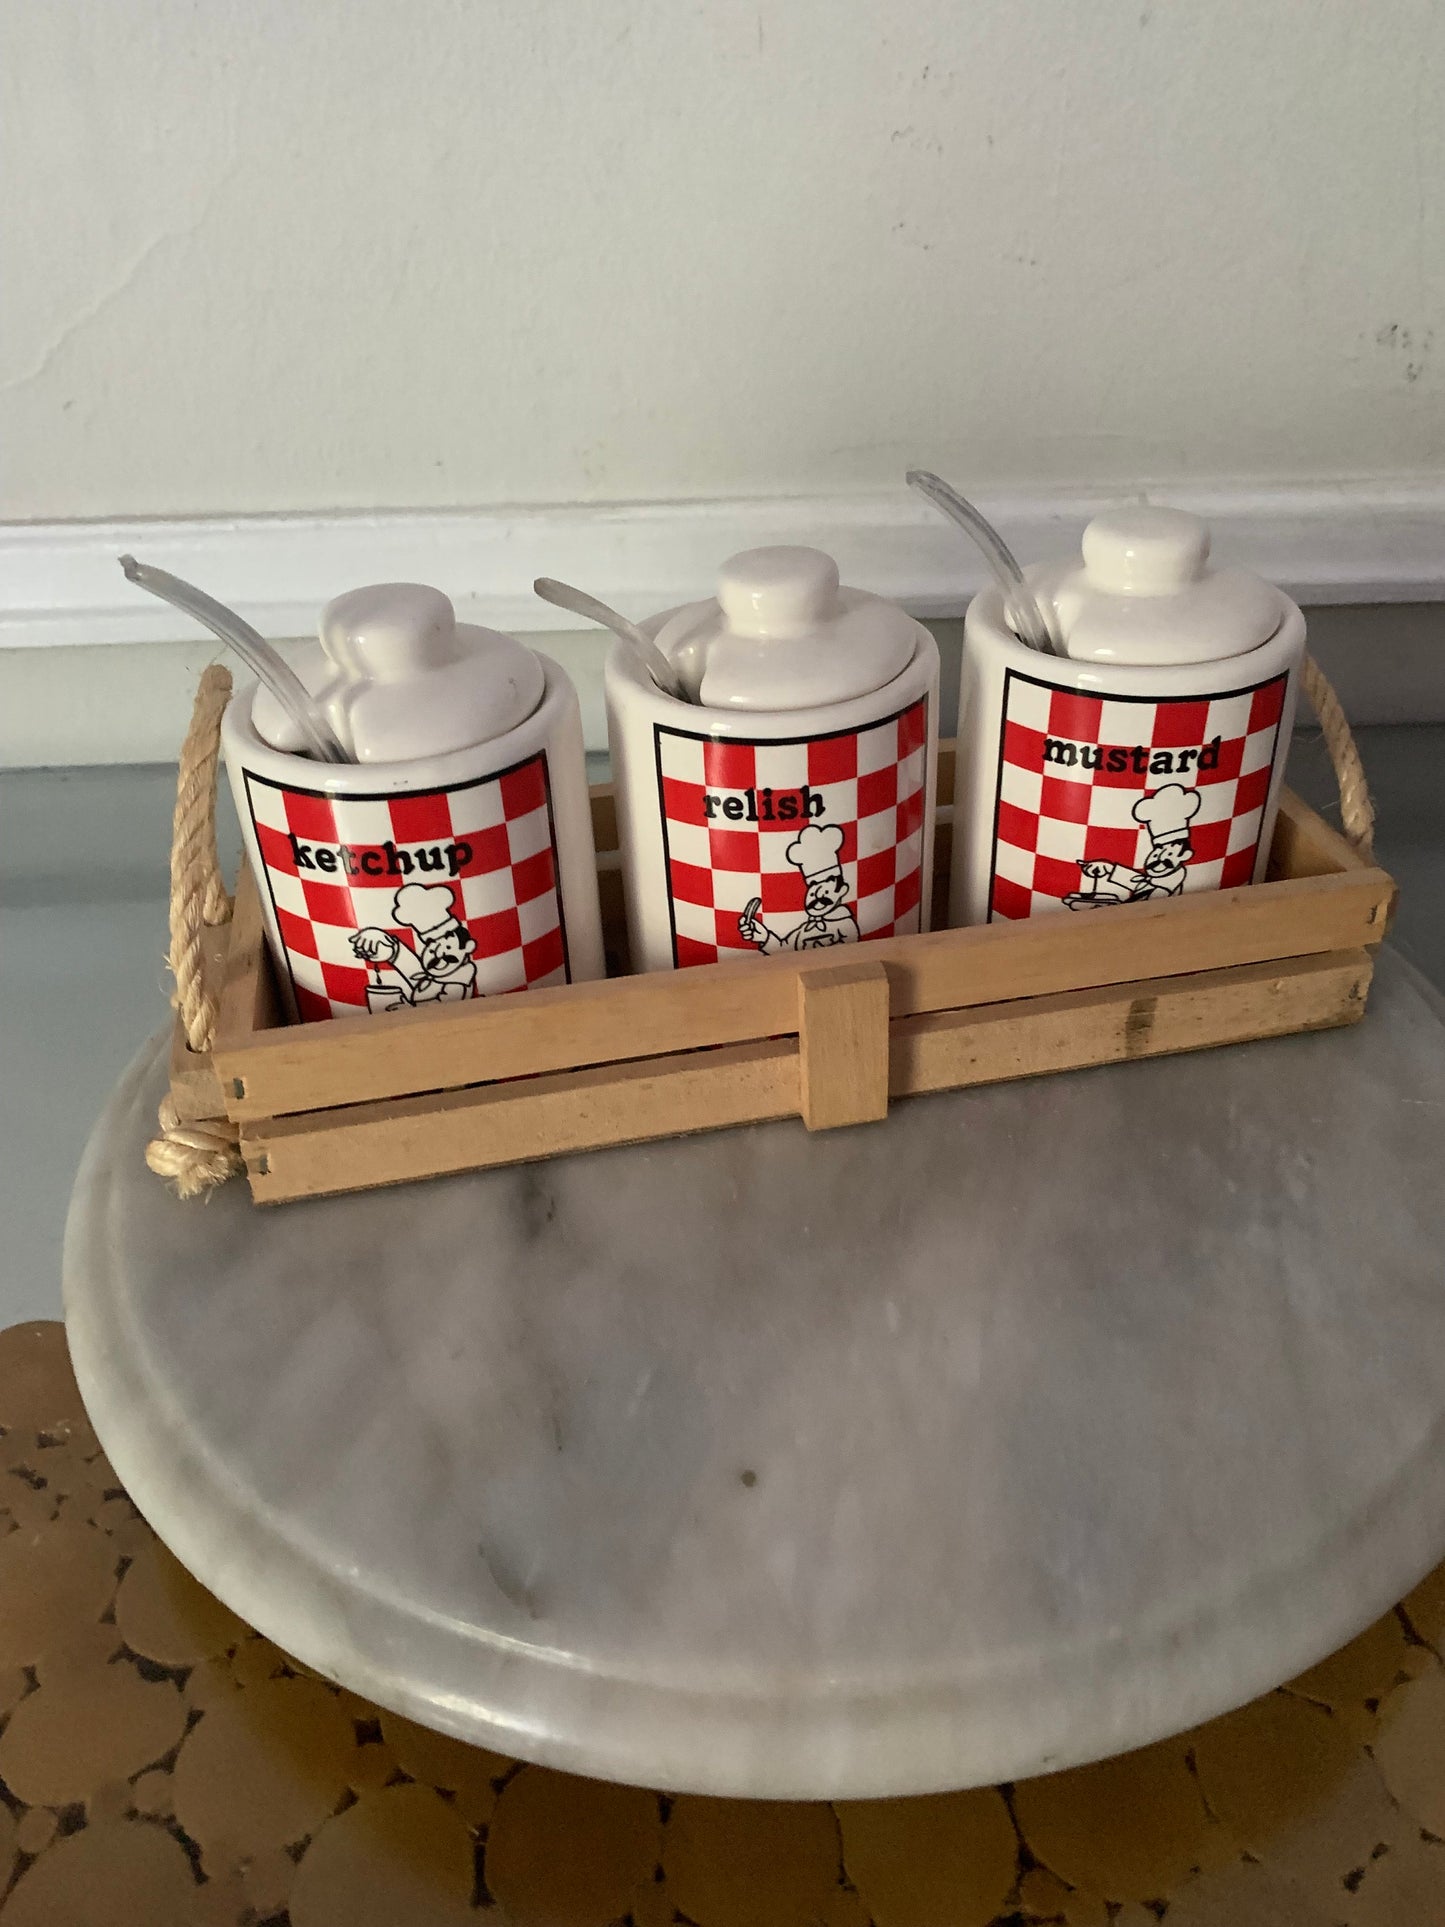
(1034,1424)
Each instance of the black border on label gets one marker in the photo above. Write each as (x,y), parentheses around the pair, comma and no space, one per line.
(769,742)
(1011,675)
(386,796)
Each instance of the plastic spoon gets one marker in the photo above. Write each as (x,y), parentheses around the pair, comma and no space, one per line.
(259,657)
(661,670)
(1025,612)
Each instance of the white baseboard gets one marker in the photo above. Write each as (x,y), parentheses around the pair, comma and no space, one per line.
(1351,542)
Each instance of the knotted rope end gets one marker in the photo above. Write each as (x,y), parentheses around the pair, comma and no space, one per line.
(193,1158)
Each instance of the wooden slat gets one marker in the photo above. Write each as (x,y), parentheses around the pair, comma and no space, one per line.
(953,1049)
(418,1137)
(942,868)
(248,1008)
(843,1044)
(614,916)
(604,817)
(392,1142)
(359,1059)
(1305,845)
(195,1087)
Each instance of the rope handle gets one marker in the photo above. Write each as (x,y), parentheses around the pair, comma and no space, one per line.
(196,1156)
(198,895)
(1357,807)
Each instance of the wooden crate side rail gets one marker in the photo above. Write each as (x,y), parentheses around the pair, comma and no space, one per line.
(195,1089)
(248,1005)
(399,1139)
(949,1050)
(393,1141)
(1305,845)
(277,1072)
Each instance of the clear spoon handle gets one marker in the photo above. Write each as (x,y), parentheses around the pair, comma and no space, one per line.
(563,596)
(1021,605)
(264,662)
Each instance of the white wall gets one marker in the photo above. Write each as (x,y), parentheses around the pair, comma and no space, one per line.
(279,254)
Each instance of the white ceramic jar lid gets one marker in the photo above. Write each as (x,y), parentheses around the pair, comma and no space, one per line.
(784,634)
(1145,593)
(399,677)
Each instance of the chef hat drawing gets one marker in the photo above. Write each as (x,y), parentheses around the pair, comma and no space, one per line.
(817,849)
(424,907)
(1168,813)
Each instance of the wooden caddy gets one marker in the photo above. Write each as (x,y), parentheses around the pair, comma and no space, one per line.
(366,1101)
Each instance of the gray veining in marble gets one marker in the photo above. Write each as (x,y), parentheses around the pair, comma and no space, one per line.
(1036,1423)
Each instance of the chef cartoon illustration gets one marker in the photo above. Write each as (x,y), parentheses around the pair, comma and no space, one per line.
(1166,814)
(816,852)
(439,968)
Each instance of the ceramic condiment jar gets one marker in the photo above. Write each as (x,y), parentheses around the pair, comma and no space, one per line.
(790,805)
(453,857)
(1145,760)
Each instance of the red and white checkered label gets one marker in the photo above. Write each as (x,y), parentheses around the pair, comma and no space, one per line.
(1119,799)
(794,845)
(385,902)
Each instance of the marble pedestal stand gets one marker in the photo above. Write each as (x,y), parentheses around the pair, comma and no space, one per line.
(1023,1429)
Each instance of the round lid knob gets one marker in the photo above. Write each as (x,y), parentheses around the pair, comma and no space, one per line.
(1143,550)
(1148,593)
(399,677)
(783,634)
(390,631)
(778,592)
